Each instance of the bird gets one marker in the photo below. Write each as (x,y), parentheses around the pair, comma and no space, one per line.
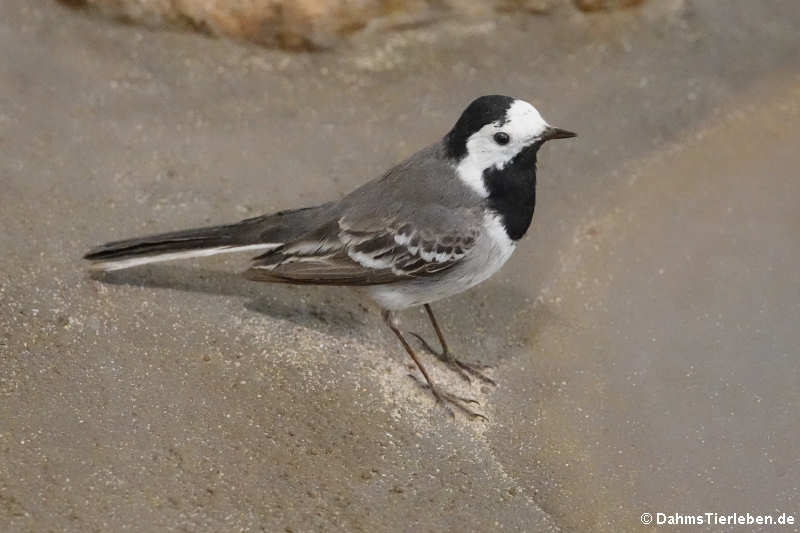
(442,221)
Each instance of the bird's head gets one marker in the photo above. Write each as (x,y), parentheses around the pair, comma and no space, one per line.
(494,131)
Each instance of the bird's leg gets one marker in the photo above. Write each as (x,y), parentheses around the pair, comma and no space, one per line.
(463,369)
(441,396)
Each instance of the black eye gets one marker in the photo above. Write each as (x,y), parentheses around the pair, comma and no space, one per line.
(501,137)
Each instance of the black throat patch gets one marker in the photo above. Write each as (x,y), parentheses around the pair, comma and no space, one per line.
(512,191)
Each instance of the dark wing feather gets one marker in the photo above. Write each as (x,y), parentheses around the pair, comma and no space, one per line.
(373,250)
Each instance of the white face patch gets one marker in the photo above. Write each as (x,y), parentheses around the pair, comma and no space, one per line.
(523,125)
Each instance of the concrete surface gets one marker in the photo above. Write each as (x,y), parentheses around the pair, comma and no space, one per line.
(644,336)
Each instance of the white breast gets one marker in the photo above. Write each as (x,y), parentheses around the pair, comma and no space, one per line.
(491,251)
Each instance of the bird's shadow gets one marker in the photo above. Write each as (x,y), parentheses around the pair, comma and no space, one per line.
(475,316)
(314,307)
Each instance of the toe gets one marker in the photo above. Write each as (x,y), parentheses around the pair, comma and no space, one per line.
(473,369)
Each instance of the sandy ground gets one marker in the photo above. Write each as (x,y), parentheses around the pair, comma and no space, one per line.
(644,336)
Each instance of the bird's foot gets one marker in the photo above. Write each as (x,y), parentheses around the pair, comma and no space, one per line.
(446,399)
(465,370)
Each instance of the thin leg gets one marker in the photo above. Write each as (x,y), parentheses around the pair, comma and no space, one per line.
(463,369)
(387,317)
(437,329)
(440,395)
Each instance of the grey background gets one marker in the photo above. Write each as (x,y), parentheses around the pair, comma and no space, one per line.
(644,336)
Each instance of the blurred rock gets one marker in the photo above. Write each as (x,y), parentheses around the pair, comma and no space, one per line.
(296,24)
(312,24)
(600,5)
(539,7)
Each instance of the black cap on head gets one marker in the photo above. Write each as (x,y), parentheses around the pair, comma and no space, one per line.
(483,110)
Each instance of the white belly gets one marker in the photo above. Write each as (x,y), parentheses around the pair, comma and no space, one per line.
(491,251)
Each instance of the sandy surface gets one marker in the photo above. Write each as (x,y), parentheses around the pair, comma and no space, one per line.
(644,336)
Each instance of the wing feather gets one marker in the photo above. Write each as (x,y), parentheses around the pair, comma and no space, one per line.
(373,250)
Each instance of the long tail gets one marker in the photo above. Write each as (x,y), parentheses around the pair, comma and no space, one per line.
(254,234)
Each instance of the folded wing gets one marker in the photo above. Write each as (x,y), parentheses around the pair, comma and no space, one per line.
(373,249)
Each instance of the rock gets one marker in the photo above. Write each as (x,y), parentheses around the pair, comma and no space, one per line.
(539,7)
(603,5)
(309,24)
(295,24)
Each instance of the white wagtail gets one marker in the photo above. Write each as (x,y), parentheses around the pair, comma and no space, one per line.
(433,226)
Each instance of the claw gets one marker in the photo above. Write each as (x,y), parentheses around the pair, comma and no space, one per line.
(472,369)
(446,399)
(461,368)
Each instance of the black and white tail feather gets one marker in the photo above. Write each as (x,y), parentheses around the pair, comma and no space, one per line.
(257,234)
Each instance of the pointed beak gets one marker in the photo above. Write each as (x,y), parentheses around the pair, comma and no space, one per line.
(551,133)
